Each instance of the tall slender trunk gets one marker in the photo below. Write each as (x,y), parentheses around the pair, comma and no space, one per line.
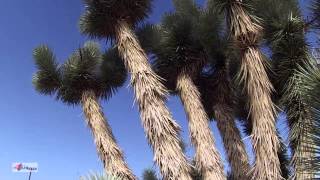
(207,158)
(108,150)
(161,130)
(234,146)
(223,109)
(264,135)
(258,88)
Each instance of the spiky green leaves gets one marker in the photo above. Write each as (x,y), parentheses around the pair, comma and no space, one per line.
(48,78)
(179,46)
(87,69)
(80,74)
(276,16)
(96,176)
(113,71)
(309,90)
(149,36)
(289,52)
(102,16)
(181,39)
(186,7)
(290,58)
(149,174)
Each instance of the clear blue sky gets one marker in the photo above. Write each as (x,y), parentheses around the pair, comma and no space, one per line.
(36,128)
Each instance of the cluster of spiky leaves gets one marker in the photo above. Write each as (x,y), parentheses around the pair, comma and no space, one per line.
(96,176)
(80,74)
(113,71)
(102,16)
(85,70)
(186,36)
(289,52)
(48,78)
(275,18)
(149,174)
(309,89)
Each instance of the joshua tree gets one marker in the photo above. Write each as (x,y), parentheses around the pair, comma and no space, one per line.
(181,45)
(85,78)
(175,49)
(218,94)
(219,99)
(246,33)
(179,58)
(285,34)
(114,19)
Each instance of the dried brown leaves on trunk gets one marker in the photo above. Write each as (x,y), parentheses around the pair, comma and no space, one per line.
(262,111)
(108,150)
(207,158)
(257,86)
(224,113)
(161,130)
(235,148)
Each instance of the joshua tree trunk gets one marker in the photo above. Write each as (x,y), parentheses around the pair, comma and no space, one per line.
(258,88)
(108,150)
(236,152)
(161,130)
(207,158)
(264,136)
(223,109)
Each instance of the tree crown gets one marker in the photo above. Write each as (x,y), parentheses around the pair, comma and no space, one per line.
(87,69)
(102,16)
(180,39)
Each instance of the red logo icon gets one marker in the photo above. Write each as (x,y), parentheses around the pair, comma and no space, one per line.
(18,167)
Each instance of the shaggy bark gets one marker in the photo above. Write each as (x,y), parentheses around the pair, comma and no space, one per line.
(235,148)
(223,96)
(161,130)
(207,158)
(262,111)
(258,88)
(108,150)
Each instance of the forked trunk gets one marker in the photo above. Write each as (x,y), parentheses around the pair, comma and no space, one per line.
(233,144)
(108,150)
(258,88)
(207,158)
(161,130)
